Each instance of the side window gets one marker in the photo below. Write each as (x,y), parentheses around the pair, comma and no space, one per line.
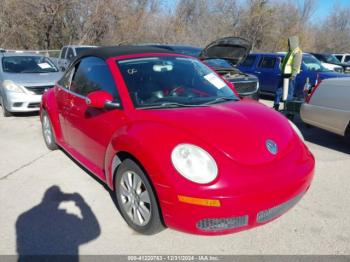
(91,75)
(340,57)
(70,54)
(267,62)
(66,78)
(63,53)
(347,59)
(249,61)
(319,57)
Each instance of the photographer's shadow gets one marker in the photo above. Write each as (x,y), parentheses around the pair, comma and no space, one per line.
(47,230)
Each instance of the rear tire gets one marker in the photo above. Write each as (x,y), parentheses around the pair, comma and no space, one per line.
(48,135)
(4,110)
(136,199)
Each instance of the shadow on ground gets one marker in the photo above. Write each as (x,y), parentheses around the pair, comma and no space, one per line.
(47,229)
(322,137)
(25,114)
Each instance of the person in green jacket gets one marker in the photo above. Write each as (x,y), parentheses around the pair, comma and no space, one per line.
(290,68)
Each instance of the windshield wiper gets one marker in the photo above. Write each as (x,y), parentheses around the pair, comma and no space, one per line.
(170,104)
(221,99)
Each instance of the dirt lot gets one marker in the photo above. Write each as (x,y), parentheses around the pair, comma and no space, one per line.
(319,224)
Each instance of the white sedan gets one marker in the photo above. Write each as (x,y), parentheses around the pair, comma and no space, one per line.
(328,106)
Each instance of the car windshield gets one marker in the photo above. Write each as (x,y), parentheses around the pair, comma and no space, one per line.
(171,81)
(28,64)
(222,63)
(312,64)
(331,59)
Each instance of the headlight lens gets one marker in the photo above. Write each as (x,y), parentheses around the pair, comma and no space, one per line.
(194,163)
(296,129)
(13,87)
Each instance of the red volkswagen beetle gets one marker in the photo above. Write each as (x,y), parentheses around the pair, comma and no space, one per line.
(174,142)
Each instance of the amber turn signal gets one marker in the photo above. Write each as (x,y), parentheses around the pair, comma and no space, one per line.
(199,201)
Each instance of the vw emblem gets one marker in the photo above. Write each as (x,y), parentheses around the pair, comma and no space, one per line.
(271,146)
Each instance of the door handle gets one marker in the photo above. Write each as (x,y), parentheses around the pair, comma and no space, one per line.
(257,72)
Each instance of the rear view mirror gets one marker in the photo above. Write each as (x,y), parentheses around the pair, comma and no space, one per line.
(101,99)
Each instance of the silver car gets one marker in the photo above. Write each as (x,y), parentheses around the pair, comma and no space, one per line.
(69,52)
(23,79)
(329,106)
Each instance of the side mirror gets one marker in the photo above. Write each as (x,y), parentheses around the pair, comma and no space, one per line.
(101,99)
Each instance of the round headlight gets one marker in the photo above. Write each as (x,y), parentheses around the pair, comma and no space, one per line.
(296,129)
(194,163)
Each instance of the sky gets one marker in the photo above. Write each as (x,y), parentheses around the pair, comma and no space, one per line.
(324,6)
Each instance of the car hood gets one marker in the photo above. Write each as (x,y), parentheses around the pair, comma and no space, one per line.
(33,79)
(239,130)
(234,49)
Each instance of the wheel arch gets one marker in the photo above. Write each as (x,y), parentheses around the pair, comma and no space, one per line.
(118,158)
(49,105)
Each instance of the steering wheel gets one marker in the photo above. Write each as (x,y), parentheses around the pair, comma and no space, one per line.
(177,90)
(188,92)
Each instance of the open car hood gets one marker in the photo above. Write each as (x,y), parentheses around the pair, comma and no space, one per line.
(234,49)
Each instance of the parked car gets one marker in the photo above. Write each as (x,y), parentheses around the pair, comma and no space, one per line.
(68,53)
(247,85)
(266,67)
(330,62)
(173,141)
(343,58)
(328,106)
(23,79)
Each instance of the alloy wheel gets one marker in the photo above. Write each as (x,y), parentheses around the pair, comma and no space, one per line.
(47,129)
(135,199)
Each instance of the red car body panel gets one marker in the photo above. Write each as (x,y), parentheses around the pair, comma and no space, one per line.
(250,179)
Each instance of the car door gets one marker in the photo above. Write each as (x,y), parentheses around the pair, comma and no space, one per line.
(268,72)
(90,129)
(62,99)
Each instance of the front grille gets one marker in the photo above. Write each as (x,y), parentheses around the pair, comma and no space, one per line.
(33,105)
(217,224)
(38,90)
(268,214)
(246,87)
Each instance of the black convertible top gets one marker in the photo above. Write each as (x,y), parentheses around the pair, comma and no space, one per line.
(106,52)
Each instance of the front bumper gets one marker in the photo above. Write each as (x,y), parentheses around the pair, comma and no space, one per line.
(259,200)
(22,102)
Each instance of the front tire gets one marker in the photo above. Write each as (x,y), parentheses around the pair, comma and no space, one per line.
(136,199)
(4,110)
(48,135)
